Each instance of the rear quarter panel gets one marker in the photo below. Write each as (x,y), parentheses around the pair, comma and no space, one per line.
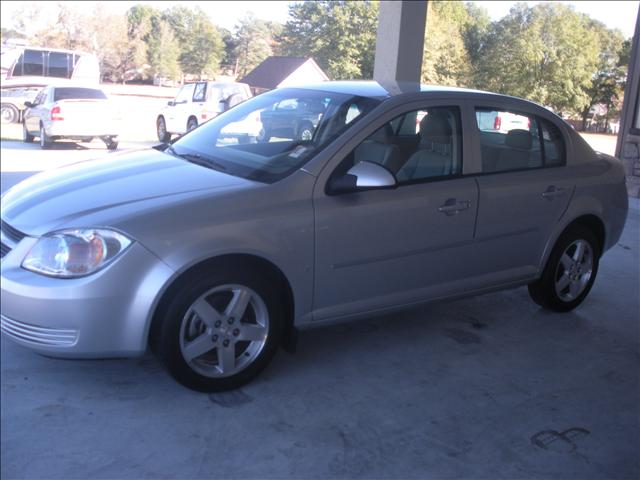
(600,190)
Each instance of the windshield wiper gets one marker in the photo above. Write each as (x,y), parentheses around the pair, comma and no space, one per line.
(197,159)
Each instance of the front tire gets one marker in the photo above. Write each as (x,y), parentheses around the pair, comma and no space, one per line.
(161,130)
(570,271)
(305,132)
(263,136)
(220,329)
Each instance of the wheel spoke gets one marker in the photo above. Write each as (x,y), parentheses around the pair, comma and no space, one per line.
(197,347)
(577,255)
(563,282)
(566,261)
(238,304)
(226,358)
(587,265)
(206,312)
(574,288)
(252,333)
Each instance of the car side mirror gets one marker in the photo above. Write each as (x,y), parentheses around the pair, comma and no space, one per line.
(362,176)
(171,103)
(29,104)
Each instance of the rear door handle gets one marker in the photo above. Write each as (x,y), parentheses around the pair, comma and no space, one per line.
(452,206)
(552,191)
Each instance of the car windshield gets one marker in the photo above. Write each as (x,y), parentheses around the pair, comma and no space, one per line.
(269,136)
(72,93)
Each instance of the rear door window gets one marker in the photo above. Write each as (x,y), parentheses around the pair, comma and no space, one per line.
(554,150)
(517,141)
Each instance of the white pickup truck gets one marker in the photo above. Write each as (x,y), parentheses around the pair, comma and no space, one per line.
(74,113)
(196,103)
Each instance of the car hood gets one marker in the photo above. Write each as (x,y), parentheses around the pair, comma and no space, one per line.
(71,195)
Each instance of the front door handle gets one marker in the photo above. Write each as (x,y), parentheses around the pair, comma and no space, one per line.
(552,191)
(453,207)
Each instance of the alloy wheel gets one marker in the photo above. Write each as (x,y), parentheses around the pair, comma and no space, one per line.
(574,270)
(224,331)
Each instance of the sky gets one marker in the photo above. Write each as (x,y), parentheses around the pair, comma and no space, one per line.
(615,14)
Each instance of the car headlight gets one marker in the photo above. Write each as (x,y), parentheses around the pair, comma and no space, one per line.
(75,253)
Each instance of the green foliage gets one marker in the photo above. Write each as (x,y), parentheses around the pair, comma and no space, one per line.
(548,53)
(545,53)
(445,60)
(475,32)
(252,44)
(163,50)
(200,41)
(607,84)
(339,35)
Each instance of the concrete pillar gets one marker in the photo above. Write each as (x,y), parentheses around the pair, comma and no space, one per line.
(400,41)
(628,146)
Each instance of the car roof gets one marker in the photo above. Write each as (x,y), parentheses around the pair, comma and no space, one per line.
(55,50)
(71,84)
(374,89)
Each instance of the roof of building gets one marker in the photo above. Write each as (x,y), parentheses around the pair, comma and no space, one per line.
(270,73)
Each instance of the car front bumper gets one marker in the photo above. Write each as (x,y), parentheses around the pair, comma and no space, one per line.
(106,314)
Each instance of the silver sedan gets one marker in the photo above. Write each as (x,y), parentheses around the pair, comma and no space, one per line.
(214,251)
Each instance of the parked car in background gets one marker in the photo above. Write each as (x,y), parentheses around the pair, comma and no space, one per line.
(196,103)
(12,101)
(491,121)
(29,69)
(71,113)
(294,118)
(214,251)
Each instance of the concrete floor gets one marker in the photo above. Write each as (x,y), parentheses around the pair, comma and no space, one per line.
(486,387)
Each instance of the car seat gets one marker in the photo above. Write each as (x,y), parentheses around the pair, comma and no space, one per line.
(378,148)
(517,153)
(434,155)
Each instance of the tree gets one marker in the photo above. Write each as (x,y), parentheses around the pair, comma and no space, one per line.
(474,34)
(445,60)
(252,44)
(201,45)
(607,84)
(545,53)
(339,35)
(163,50)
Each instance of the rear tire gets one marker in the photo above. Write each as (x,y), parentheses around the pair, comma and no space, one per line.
(9,113)
(191,124)
(110,142)
(45,141)
(570,271)
(200,314)
(26,136)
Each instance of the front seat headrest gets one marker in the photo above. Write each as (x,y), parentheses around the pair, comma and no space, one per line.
(435,128)
(518,138)
(382,135)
